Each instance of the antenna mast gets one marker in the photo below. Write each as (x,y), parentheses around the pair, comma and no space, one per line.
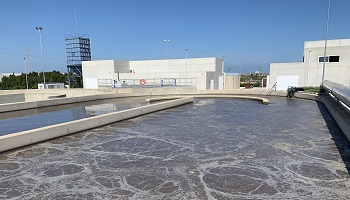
(76,21)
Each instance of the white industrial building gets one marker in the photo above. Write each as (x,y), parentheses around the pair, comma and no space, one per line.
(202,73)
(50,85)
(309,72)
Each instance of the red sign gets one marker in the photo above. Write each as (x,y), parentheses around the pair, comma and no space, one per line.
(143,82)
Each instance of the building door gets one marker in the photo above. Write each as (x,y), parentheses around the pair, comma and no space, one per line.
(285,81)
(212,84)
(221,83)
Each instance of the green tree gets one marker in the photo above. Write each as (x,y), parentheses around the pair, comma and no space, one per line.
(13,82)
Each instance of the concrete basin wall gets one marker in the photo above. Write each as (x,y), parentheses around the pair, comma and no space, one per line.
(12,98)
(341,116)
(135,92)
(263,100)
(39,95)
(20,139)
(60,101)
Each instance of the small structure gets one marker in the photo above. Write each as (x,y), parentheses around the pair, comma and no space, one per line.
(232,81)
(51,85)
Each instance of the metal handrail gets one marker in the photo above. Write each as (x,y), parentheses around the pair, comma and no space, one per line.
(340,92)
(270,91)
(156,82)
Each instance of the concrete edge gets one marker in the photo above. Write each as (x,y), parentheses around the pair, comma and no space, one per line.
(61,101)
(58,96)
(24,138)
(163,98)
(134,92)
(341,117)
(263,100)
(53,102)
(12,98)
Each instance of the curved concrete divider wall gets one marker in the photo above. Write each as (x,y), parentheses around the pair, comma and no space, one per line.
(263,100)
(163,98)
(16,140)
(61,101)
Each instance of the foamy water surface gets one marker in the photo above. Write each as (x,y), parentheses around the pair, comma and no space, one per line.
(212,149)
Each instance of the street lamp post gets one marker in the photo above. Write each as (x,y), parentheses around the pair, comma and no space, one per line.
(325,43)
(223,65)
(166,48)
(186,64)
(41,52)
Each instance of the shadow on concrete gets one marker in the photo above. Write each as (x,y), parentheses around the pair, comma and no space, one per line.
(340,140)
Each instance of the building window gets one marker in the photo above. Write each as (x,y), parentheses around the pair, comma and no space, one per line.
(321,59)
(328,59)
(333,58)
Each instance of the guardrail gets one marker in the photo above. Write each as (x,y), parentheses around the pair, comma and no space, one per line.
(105,83)
(340,92)
(160,82)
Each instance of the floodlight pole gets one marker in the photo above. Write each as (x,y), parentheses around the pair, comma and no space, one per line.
(325,43)
(186,64)
(166,48)
(41,52)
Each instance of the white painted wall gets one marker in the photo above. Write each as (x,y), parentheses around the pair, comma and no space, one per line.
(221,83)
(285,81)
(285,69)
(337,72)
(90,83)
(121,66)
(177,65)
(198,71)
(231,82)
(310,71)
(100,69)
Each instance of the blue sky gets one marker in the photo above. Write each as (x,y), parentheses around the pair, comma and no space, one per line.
(250,33)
